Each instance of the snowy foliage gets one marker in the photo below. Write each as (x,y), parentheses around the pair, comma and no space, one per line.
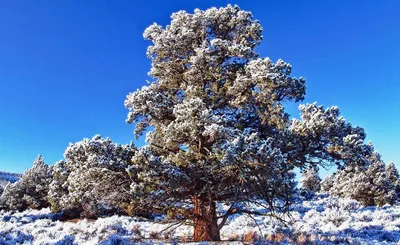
(220,146)
(323,220)
(393,176)
(328,182)
(310,180)
(327,138)
(218,130)
(6,178)
(374,184)
(31,190)
(92,179)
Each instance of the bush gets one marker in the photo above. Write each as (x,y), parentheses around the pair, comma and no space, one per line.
(92,182)
(328,182)
(31,190)
(370,185)
(310,180)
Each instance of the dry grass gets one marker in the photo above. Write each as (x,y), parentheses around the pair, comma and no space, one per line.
(136,230)
(234,237)
(302,239)
(155,235)
(279,237)
(80,219)
(250,236)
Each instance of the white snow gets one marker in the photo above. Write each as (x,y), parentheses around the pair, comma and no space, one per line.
(6,178)
(322,220)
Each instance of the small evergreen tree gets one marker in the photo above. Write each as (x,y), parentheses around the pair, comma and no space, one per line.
(92,180)
(310,180)
(328,182)
(31,190)
(370,185)
(393,175)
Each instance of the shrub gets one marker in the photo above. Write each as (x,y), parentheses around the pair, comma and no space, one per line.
(92,181)
(31,190)
(310,180)
(370,185)
(328,182)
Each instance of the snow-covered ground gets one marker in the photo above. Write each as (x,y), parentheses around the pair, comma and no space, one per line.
(322,220)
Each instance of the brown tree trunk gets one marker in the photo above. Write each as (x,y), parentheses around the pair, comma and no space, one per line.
(205,220)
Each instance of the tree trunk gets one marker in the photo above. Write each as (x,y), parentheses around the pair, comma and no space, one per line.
(205,220)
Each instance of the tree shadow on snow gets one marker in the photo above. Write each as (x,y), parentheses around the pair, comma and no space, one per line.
(28,218)
(372,233)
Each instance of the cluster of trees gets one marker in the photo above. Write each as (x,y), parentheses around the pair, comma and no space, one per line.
(92,181)
(216,129)
(374,183)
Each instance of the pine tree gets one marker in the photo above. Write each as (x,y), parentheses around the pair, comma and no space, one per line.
(393,175)
(92,181)
(31,190)
(370,185)
(310,180)
(218,131)
(328,182)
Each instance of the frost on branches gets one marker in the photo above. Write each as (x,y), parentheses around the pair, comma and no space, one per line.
(374,184)
(393,176)
(310,180)
(217,127)
(92,180)
(31,190)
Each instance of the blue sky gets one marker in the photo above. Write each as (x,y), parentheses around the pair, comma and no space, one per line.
(66,66)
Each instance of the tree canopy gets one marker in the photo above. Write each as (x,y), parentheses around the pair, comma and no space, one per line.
(217,128)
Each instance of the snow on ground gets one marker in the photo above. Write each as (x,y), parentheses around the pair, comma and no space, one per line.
(323,220)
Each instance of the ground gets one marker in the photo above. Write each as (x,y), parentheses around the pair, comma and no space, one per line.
(321,220)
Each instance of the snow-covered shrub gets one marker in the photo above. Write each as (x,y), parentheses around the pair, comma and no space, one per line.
(66,240)
(370,185)
(93,180)
(310,180)
(6,178)
(328,182)
(116,239)
(31,190)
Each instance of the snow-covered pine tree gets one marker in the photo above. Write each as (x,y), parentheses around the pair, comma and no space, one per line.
(2,202)
(58,191)
(218,129)
(370,184)
(31,190)
(328,182)
(310,180)
(393,175)
(92,181)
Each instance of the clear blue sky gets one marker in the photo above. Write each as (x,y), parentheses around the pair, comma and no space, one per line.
(66,66)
